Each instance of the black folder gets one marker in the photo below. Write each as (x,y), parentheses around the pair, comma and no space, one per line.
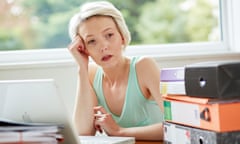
(215,79)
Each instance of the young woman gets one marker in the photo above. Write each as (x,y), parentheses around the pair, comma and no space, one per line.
(116,94)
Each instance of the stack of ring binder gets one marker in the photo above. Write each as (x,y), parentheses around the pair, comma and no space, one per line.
(208,111)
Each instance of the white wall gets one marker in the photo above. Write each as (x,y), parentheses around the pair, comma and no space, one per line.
(65,72)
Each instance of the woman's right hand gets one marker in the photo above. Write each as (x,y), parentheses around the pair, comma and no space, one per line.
(79,52)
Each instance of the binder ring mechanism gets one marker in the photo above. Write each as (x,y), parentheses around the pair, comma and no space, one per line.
(202,82)
(205,115)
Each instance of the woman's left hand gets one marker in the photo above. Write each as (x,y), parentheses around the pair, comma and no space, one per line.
(104,121)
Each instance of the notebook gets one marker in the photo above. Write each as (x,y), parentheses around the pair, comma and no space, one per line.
(106,140)
(38,101)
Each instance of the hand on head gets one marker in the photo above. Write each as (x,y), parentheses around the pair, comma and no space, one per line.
(79,51)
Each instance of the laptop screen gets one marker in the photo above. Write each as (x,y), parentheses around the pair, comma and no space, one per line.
(37,101)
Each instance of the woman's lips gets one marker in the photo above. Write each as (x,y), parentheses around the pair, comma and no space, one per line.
(106,58)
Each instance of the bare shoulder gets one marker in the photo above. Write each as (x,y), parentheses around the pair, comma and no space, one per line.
(147,70)
(148,74)
(145,64)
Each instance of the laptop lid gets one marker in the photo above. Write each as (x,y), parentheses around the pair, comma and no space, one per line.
(36,100)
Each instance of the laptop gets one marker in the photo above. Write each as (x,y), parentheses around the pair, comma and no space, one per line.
(38,101)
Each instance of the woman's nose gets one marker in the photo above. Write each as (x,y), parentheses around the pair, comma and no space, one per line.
(104,46)
(103,49)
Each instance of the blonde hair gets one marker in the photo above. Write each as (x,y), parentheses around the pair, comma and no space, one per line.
(99,8)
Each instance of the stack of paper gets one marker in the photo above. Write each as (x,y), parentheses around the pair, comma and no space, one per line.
(12,132)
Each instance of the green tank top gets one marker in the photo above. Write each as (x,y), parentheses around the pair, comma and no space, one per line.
(137,110)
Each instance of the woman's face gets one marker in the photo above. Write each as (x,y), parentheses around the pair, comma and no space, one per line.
(102,40)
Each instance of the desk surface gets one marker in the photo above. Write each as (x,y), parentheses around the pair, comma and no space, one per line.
(94,139)
(149,142)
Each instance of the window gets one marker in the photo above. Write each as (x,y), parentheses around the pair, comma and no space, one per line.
(157,26)
(31,24)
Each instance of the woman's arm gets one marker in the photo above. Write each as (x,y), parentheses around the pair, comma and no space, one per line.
(85,99)
(106,122)
(150,132)
(149,80)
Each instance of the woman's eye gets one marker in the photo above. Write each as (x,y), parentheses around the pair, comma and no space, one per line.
(91,42)
(109,35)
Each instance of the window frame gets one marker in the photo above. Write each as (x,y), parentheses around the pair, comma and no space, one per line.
(230,44)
